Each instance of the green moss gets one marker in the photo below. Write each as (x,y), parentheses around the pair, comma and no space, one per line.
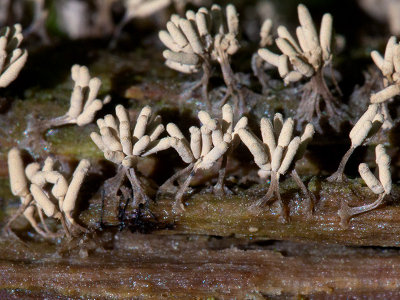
(74,141)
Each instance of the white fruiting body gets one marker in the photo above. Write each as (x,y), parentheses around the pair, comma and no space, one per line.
(191,40)
(207,145)
(30,184)
(277,152)
(83,102)
(370,179)
(257,149)
(225,130)
(361,129)
(258,63)
(266,38)
(44,202)
(389,65)
(121,143)
(367,126)
(201,38)
(18,182)
(381,186)
(71,194)
(202,150)
(12,58)
(19,187)
(42,197)
(269,153)
(306,57)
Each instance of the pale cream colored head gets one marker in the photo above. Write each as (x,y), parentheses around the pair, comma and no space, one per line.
(308,55)
(384,184)
(121,143)
(389,65)
(193,39)
(279,150)
(84,103)
(12,58)
(16,171)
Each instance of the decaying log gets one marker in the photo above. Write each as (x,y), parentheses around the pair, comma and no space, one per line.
(187,267)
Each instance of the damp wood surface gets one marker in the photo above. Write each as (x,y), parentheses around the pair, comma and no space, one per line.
(147,266)
(206,214)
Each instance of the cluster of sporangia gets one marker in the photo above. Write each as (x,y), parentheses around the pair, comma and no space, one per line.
(196,41)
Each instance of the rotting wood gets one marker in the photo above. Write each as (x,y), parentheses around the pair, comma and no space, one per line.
(226,216)
(154,267)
